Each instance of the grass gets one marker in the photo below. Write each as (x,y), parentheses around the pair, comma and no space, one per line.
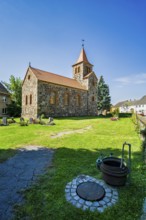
(76,154)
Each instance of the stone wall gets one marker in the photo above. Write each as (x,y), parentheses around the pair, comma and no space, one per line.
(29,88)
(60,108)
(92,94)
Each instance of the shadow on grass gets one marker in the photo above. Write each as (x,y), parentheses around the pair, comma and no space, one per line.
(46,199)
(6,153)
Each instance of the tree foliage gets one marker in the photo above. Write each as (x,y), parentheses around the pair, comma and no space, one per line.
(15,88)
(103,96)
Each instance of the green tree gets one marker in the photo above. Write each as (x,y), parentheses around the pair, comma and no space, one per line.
(15,88)
(103,96)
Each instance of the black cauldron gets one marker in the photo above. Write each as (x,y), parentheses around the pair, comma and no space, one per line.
(114,171)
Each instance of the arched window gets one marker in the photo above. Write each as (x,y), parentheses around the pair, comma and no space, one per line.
(26,100)
(93,99)
(28,77)
(66,99)
(93,83)
(88,70)
(30,99)
(78,69)
(53,98)
(78,100)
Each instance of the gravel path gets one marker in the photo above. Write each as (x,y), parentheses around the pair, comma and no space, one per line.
(18,173)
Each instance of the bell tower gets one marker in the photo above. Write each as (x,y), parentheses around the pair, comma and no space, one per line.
(82,67)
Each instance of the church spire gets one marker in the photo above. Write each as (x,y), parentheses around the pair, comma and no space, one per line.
(82,57)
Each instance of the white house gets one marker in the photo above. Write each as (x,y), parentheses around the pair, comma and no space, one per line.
(138,106)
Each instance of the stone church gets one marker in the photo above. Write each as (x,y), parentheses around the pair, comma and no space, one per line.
(55,95)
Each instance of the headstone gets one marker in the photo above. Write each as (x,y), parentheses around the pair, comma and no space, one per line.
(21,119)
(50,119)
(4,121)
(31,121)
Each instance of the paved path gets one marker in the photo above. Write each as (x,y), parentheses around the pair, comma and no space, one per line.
(18,173)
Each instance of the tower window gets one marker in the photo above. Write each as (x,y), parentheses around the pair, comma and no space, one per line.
(26,100)
(66,99)
(28,77)
(78,69)
(30,99)
(93,99)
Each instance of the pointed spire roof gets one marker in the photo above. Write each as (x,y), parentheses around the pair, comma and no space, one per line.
(82,57)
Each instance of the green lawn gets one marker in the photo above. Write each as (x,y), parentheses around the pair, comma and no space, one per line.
(76,154)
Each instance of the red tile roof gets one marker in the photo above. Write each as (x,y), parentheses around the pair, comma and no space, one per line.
(82,57)
(56,79)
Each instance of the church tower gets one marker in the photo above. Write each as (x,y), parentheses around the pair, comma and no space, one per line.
(82,67)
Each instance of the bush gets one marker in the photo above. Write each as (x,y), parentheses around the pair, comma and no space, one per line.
(23,123)
(125,115)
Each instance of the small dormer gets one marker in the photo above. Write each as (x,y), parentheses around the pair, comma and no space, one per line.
(82,67)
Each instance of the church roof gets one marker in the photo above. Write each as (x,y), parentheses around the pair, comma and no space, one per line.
(82,58)
(56,79)
(3,89)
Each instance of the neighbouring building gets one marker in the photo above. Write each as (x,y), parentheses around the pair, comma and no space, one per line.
(138,106)
(55,95)
(4,100)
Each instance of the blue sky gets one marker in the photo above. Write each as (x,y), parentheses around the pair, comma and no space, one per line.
(48,34)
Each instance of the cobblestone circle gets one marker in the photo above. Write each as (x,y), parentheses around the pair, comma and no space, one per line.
(110,198)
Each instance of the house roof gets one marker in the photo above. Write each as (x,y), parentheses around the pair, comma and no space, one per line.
(56,79)
(82,58)
(141,101)
(3,89)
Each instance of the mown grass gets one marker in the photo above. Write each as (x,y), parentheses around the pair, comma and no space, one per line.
(76,154)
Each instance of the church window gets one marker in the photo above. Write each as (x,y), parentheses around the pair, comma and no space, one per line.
(28,77)
(26,100)
(78,100)
(93,83)
(93,99)
(30,99)
(66,99)
(78,69)
(88,70)
(53,98)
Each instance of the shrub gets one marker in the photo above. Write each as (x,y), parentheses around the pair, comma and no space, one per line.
(23,123)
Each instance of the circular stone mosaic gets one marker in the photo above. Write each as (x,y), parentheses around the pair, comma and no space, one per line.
(77,196)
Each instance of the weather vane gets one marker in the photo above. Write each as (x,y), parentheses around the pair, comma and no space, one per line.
(83,43)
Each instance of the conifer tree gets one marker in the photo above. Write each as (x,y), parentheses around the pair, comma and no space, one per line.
(103,96)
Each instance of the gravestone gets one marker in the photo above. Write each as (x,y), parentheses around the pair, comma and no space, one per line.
(21,119)
(31,121)
(4,121)
(51,121)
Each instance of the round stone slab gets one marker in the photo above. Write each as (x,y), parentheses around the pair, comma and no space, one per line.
(90,191)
